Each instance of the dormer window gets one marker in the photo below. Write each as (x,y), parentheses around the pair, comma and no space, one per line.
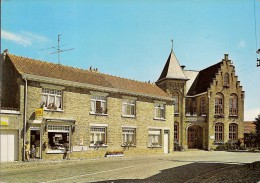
(52,99)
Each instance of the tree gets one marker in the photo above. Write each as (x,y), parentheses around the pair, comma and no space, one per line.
(257,127)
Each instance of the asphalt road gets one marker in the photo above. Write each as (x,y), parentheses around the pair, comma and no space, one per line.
(190,166)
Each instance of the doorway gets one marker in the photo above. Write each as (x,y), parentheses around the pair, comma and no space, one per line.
(195,137)
(166,142)
(36,141)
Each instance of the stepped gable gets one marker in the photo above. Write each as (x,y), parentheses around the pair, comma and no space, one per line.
(204,79)
(57,71)
(172,69)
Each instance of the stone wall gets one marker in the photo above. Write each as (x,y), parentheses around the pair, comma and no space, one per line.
(76,105)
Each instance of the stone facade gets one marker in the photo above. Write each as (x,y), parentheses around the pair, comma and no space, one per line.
(197,123)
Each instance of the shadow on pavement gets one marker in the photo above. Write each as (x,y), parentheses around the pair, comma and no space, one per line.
(202,172)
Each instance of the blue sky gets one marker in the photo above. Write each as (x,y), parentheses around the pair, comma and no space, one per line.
(132,39)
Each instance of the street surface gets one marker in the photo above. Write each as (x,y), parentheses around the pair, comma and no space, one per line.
(189,166)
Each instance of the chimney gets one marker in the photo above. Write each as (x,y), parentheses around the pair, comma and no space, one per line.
(90,68)
(182,67)
(4,53)
(226,56)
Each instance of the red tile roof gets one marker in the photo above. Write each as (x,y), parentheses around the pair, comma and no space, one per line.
(249,126)
(51,70)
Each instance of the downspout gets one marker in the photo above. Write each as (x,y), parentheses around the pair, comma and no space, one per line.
(24,117)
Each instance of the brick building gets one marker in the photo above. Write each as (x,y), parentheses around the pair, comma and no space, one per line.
(52,106)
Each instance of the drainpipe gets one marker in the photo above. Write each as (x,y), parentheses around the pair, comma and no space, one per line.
(24,116)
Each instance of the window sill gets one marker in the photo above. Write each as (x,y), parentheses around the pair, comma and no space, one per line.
(128,146)
(128,116)
(155,146)
(98,114)
(53,110)
(61,151)
(233,116)
(176,114)
(160,119)
(203,115)
(219,116)
(97,146)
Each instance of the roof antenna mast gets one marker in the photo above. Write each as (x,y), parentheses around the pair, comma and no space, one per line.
(59,50)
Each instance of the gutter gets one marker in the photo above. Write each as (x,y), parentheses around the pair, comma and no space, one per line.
(24,116)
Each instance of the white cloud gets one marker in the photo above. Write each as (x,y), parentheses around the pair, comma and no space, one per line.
(16,38)
(24,38)
(251,114)
(242,44)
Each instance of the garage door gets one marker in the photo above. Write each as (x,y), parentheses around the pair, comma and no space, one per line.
(8,145)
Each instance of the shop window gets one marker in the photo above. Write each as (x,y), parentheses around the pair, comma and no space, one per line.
(98,136)
(52,99)
(159,110)
(58,138)
(128,137)
(154,138)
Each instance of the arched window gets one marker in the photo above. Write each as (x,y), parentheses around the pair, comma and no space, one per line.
(226,79)
(233,129)
(176,102)
(176,132)
(233,105)
(219,133)
(219,104)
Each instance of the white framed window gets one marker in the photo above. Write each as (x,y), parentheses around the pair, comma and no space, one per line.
(58,138)
(98,136)
(154,138)
(128,107)
(98,104)
(52,99)
(159,111)
(128,136)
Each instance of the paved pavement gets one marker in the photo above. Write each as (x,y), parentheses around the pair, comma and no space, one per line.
(190,166)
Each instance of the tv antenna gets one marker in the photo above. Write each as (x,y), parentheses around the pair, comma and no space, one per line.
(58,48)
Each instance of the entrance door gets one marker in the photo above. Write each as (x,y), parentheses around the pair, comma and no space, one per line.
(8,145)
(192,137)
(195,137)
(166,142)
(36,141)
